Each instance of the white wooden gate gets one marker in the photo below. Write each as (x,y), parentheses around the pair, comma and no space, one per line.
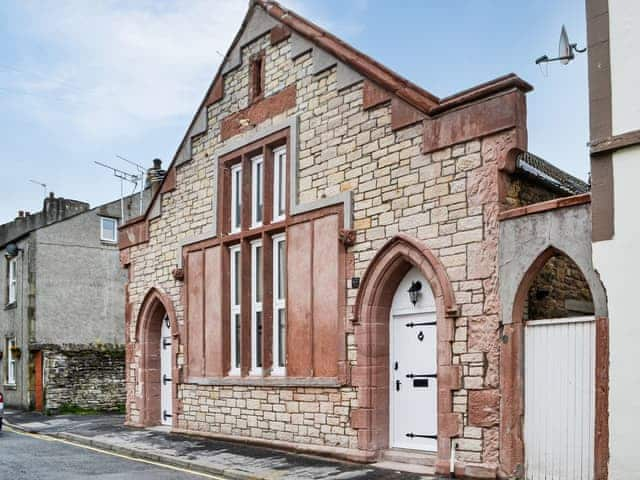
(559,398)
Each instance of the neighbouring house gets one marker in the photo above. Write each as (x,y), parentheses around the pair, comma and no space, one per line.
(62,320)
(614,108)
(339,262)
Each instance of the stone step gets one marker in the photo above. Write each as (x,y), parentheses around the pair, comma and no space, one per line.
(406,467)
(413,457)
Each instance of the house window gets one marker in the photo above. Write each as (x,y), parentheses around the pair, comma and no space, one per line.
(108,229)
(256,307)
(12,280)
(279,306)
(279,182)
(11,362)
(253,194)
(257,78)
(236,198)
(235,296)
(257,191)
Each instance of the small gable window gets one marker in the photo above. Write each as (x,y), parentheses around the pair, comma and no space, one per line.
(257,77)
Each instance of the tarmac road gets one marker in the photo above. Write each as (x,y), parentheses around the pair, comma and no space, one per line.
(33,457)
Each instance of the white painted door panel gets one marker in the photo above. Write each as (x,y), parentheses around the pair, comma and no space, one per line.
(413,386)
(559,399)
(165,373)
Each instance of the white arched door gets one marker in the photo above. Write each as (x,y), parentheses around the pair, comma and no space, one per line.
(413,386)
(165,372)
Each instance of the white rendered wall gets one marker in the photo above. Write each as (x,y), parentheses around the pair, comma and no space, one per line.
(624,44)
(618,261)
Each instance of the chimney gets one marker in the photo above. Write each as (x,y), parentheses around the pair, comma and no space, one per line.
(155,175)
(57,208)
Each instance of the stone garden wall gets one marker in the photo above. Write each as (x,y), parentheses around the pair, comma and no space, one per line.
(84,377)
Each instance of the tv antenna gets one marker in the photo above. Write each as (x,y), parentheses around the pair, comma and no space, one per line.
(124,177)
(565,50)
(43,185)
(141,173)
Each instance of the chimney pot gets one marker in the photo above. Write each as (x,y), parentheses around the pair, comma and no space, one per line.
(157,163)
(20,213)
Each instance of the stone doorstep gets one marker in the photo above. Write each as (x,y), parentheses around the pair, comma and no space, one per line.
(410,457)
(405,467)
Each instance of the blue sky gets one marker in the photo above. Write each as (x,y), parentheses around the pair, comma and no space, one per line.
(83,81)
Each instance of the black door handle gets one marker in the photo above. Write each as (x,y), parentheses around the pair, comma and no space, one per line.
(165,379)
(398,385)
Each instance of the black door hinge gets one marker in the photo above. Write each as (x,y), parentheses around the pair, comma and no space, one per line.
(415,435)
(419,324)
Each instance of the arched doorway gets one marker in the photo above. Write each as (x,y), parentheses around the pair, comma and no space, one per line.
(156,339)
(403,259)
(413,399)
(553,314)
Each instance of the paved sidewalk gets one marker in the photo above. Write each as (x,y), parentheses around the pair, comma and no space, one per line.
(232,460)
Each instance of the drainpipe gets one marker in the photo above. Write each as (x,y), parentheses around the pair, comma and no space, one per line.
(452,459)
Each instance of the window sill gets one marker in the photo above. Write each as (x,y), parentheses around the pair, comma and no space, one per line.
(113,243)
(10,306)
(266,381)
(10,386)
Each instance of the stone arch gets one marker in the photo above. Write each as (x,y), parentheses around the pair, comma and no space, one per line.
(155,305)
(537,260)
(371,375)
(512,361)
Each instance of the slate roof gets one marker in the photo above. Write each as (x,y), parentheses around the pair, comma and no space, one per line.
(550,174)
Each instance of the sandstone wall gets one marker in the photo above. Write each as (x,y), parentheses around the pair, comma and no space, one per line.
(448,199)
(559,290)
(319,416)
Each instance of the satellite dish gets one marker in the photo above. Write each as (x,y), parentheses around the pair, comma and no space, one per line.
(565,49)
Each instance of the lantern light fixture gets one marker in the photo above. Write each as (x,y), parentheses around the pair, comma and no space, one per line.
(414,291)
(12,250)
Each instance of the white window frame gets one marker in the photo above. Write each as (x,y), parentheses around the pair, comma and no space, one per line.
(236,198)
(255,198)
(256,307)
(279,304)
(115,229)
(235,310)
(279,183)
(11,362)
(12,280)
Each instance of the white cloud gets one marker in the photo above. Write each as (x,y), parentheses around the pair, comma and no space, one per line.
(110,69)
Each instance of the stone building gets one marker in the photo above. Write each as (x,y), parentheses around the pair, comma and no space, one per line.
(322,268)
(61,324)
